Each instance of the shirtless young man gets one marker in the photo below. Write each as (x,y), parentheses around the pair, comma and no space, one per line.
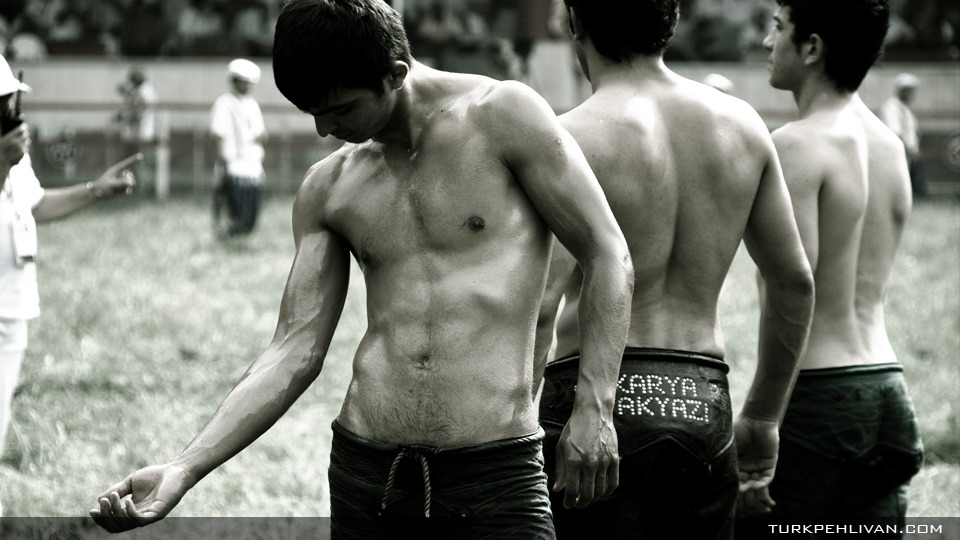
(446,194)
(849,440)
(689,172)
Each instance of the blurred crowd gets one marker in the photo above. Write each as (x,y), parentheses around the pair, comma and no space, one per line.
(489,36)
(37,29)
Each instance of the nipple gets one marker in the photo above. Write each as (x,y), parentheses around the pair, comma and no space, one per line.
(475,223)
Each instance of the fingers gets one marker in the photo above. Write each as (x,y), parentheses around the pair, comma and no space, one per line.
(754,503)
(613,476)
(765,500)
(116,514)
(121,488)
(561,481)
(752,480)
(572,493)
(588,480)
(126,162)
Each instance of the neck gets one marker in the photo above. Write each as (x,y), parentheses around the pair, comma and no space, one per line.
(817,93)
(408,115)
(604,72)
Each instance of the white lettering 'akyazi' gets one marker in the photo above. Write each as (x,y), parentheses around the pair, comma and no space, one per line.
(661,396)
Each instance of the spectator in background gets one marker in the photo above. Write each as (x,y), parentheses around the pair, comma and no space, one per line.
(896,114)
(137,119)
(23,203)
(144,28)
(200,30)
(436,33)
(237,124)
(252,28)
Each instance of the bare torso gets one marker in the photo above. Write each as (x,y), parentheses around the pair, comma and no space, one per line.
(680,164)
(826,164)
(454,259)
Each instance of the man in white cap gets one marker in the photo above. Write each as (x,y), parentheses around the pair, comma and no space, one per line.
(896,114)
(23,203)
(237,123)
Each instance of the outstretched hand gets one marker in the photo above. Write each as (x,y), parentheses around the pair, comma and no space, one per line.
(144,497)
(117,180)
(588,462)
(758,442)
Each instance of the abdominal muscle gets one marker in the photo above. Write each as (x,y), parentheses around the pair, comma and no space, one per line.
(459,378)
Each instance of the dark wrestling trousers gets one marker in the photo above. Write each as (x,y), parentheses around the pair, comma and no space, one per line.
(849,445)
(678,463)
(491,491)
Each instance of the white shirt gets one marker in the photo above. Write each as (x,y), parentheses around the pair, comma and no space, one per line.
(901,120)
(19,298)
(238,122)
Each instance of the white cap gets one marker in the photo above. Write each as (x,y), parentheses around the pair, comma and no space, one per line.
(8,83)
(244,70)
(719,82)
(907,80)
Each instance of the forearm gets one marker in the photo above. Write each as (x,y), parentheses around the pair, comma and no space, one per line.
(784,328)
(604,315)
(61,202)
(271,385)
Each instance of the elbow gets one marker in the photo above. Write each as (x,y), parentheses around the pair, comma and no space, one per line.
(795,292)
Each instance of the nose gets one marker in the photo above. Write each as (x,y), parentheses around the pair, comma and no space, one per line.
(768,41)
(324,125)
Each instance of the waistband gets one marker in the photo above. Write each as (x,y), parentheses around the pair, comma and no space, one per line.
(426,455)
(475,450)
(653,355)
(849,371)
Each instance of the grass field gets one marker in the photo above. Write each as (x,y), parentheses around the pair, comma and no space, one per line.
(148,321)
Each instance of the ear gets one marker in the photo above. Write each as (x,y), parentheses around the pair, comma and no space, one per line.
(576,29)
(813,50)
(398,74)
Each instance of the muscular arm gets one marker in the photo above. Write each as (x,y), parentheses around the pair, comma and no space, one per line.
(773,241)
(311,306)
(557,179)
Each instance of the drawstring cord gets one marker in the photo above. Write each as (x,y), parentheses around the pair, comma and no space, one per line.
(424,466)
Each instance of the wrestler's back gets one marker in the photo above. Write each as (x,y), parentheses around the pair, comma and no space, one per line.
(888,207)
(830,199)
(454,258)
(680,164)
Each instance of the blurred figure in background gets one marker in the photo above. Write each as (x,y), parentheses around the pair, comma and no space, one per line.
(718,82)
(898,116)
(23,203)
(237,123)
(137,120)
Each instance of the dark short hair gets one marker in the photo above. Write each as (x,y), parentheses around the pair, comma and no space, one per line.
(322,46)
(852,32)
(622,29)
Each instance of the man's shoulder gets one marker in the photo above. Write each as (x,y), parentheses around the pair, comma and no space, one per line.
(500,101)
(331,167)
(802,145)
(797,135)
